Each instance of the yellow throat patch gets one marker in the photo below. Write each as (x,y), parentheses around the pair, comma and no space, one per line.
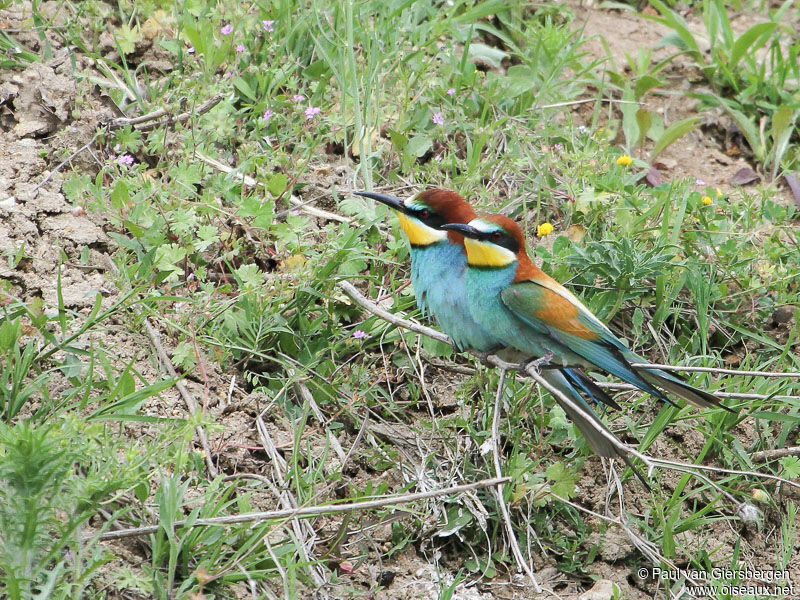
(484,254)
(417,233)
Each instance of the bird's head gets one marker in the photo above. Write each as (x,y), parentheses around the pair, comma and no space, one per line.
(422,216)
(494,242)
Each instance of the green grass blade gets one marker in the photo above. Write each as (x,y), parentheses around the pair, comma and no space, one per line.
(746,126)
(675,22)
(750,41)
(672,134)
(782,127)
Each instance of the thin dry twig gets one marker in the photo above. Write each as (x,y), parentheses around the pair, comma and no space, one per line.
(365,303)
(610,385)
(63,162)
(303,531)
(191,403)
(250,182)
(137,123)
(776,453)
(156,114)
(311,511)
(305,394)
(147,122)
(584,101)
(716,370)
(498,491)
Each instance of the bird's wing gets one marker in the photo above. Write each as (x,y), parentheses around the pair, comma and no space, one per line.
(549,307)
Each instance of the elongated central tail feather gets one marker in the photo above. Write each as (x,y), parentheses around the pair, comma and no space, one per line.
(674,385)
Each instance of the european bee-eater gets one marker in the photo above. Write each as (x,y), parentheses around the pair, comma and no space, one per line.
(438,270)
(438,262)
(531,311)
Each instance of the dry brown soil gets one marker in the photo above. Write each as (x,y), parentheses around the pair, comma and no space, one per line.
(47,114)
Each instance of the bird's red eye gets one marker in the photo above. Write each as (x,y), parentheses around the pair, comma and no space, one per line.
(496,235)
(424,214)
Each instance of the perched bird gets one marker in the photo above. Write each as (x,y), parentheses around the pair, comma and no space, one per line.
(439,263)
(531,311)
(438,274)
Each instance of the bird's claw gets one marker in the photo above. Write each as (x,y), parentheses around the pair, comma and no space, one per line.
(484,358)
(538,363)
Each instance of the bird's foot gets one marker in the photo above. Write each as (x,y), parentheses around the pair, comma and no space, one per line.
(538,363)
(484,358)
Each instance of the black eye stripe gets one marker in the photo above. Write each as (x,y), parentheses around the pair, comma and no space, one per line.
(430,217)
(501,238)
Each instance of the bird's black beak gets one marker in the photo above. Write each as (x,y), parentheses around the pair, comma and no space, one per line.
(390,201)
(463,229)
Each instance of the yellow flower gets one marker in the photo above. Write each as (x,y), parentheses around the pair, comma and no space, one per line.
(544,229)
(706,200)
(719,193)
(624,160)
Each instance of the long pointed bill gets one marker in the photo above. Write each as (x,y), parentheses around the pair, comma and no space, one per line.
(464,229)
(391,201)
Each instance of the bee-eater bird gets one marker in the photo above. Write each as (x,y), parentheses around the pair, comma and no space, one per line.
(531,311)
(438,275)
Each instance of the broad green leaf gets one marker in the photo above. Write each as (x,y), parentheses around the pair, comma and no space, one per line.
(675,22)
(244,87)
(750,41)
(316,70)
(120,197)
(644,84)
(418,145)
(644,120)
(399,141)
(491,56)
(673,133)
(277,183)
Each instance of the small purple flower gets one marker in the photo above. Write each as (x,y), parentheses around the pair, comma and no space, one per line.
(226,30)
(240,48)
(311,111)
(125,160)
(699,182)
(438,118)
(451,91)
(358,334)
(298,97)
(268,25)
(190,50)
(267,114)
(295,212)
(558,147)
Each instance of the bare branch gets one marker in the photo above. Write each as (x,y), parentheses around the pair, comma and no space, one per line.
(146,122)
(715,370)
(191,403)
(498,491)
(310,511)
(776,453)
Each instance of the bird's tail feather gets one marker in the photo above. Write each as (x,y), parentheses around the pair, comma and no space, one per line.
(589,387)
(587,421)
(676,386)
